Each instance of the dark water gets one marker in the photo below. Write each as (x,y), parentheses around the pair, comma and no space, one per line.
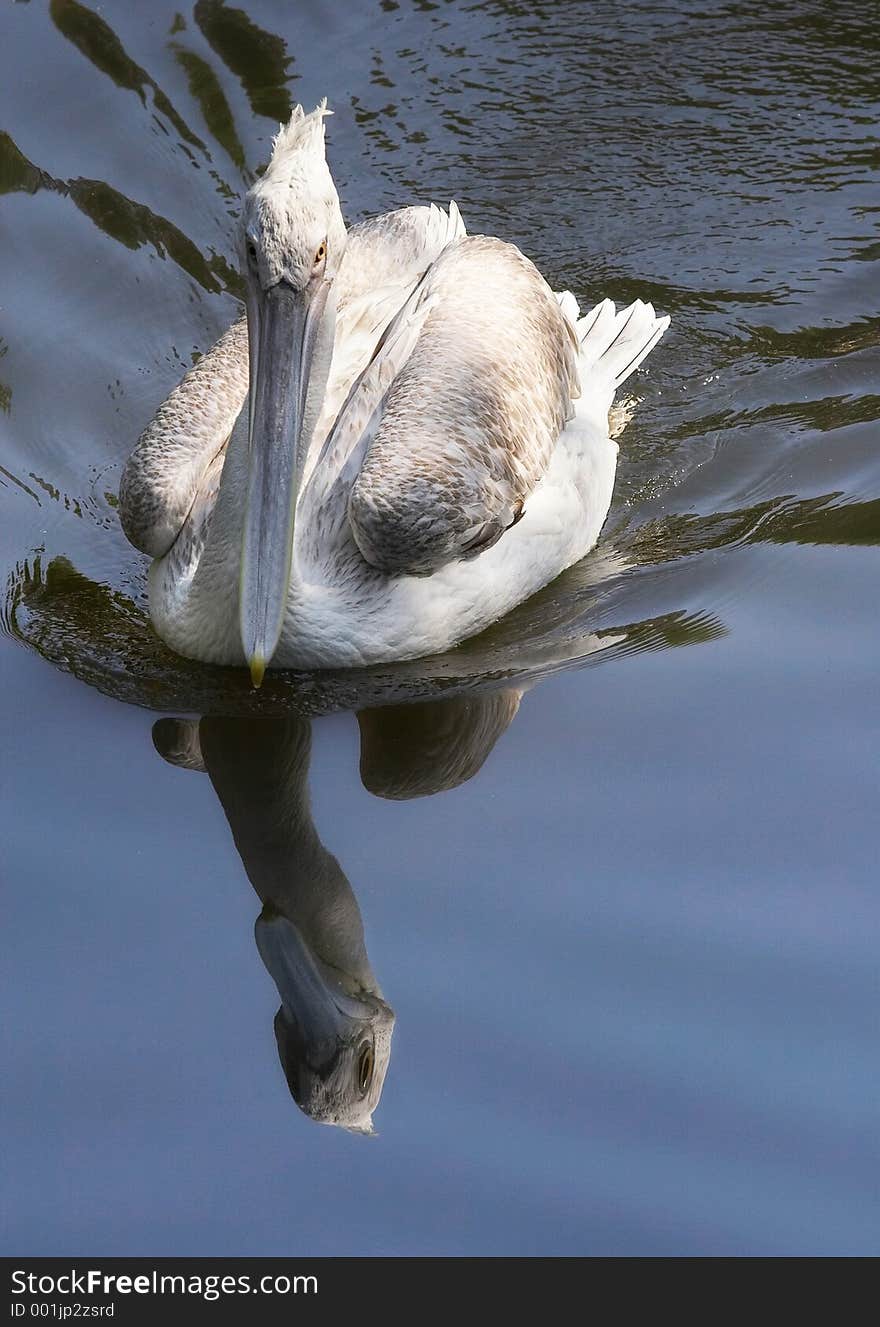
(631,940)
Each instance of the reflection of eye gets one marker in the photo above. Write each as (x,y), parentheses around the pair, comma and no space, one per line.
(321,253)
(365,1068)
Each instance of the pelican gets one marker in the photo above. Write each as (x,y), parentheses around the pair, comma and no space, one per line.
(425,443)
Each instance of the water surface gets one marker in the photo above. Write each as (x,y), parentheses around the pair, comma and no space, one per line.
(615,859)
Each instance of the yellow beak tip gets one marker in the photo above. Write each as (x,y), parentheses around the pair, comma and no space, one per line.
(258,670)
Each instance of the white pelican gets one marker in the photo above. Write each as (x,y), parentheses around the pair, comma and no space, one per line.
(426,442)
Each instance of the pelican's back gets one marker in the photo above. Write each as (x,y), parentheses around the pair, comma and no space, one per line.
(469,423)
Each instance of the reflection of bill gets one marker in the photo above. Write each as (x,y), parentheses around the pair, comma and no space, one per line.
(334,1026)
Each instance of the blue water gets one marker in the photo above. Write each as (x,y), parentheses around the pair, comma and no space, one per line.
(633,958)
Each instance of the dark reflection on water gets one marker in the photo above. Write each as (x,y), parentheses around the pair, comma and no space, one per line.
(206,89)
(129,223)
(334,1027)
(97,41)
(258,58)
(105,639)
(630,938)
(60,613)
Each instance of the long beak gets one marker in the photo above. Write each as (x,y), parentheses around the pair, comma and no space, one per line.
(290,333)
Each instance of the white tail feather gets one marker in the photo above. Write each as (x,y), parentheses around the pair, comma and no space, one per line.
(569,306)
(616,343)
(443,227)
(456,224)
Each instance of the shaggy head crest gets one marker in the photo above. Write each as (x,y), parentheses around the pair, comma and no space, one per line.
(301,139)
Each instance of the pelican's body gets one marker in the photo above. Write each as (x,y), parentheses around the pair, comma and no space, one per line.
(366,505)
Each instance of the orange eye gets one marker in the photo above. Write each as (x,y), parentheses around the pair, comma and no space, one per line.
(321,254)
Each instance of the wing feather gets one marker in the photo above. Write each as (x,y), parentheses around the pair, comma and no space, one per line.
(470,422)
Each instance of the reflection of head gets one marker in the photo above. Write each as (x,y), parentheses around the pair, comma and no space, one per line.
(346,1089)
(334,1039)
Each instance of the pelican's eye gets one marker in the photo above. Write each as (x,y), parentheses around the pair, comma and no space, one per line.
(252,251)
(366,1063)
(321,253)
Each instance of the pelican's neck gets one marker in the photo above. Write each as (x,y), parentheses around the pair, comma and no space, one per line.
(259,770)
(337,231)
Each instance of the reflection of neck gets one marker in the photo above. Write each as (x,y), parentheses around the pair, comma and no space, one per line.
(259,769)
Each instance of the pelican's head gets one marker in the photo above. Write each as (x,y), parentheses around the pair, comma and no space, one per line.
(292,241)
(334,1039)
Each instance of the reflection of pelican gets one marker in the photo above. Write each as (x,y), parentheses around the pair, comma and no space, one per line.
(334,1026)
(414,392)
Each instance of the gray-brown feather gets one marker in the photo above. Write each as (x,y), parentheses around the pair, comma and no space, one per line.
(470,423)
(163,475)
(394,248)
